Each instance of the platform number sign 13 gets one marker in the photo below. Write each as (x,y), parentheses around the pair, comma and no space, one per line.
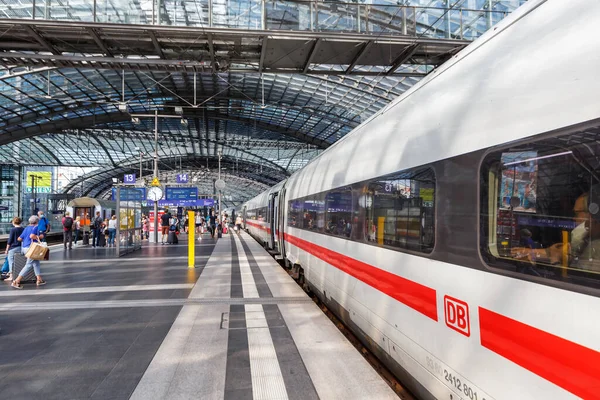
(129,178)
(182,178)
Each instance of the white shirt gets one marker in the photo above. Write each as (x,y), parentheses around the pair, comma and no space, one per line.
(112,224)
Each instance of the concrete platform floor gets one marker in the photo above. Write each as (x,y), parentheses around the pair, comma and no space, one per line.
(92,331)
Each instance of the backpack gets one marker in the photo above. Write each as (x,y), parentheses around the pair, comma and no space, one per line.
(68,223)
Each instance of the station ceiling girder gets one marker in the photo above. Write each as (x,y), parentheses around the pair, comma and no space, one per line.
(184,49)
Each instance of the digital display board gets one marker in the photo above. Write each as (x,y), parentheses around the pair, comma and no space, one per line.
(130,194)
(181,193)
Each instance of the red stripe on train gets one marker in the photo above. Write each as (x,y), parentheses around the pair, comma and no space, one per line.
(567,364)
(419,297)
(259,226)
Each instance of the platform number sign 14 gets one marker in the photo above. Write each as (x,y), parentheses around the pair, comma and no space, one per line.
(129,178)
(182,178)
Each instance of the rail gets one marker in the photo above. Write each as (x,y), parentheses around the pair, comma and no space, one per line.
(277,15)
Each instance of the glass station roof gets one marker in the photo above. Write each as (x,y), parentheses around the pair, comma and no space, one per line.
(269,124)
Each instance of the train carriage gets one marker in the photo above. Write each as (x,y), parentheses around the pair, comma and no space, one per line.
(457,231)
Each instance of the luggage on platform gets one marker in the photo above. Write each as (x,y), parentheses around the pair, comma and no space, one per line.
(172,239)
(102,240)
(18,265)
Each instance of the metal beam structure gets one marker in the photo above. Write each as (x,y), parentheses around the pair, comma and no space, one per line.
(159,48)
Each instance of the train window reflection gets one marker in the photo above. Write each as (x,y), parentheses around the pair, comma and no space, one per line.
(394,211)
(339,212)
(399,210)
(541,208)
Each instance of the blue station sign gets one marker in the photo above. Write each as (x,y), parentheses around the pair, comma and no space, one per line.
(181,193)
(130,194)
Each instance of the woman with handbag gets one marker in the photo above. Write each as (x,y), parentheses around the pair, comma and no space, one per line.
(30,233)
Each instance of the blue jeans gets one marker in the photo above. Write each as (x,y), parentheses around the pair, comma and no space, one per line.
(111,236)
(35,264)
(11,257)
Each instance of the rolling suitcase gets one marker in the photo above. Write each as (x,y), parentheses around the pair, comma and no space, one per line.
(18,265)
(101,240)
(172,239)
(86,238)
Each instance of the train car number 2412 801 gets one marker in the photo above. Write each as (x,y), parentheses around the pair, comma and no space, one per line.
(457,383)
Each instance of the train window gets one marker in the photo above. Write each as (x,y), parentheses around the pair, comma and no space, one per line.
(399,210)
(395,211)
(294,218)
(540,209)
(339,212)
(313,211)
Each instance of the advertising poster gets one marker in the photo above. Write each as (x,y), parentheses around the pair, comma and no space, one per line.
(519,181)
(41,180)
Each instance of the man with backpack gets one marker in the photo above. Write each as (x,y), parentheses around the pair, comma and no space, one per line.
(67,223)
(97,226)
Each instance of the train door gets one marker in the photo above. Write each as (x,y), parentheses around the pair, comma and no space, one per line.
(244,217)
(273,218)
(85,217)
(281,223)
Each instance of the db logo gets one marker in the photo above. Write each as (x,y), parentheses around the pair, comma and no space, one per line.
(457,315)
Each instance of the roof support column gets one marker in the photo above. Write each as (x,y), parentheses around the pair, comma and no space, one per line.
(158,12)
(156,174)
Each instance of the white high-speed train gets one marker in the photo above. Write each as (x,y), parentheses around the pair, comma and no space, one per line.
(457,230)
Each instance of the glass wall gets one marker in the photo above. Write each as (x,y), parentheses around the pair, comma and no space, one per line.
(129,227)
(467,19)
(7,193)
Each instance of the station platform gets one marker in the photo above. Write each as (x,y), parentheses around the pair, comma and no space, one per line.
(147,327)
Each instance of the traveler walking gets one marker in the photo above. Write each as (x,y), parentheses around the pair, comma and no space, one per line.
(238,224)
(97,225)
(199,222)
(213,223)
(13,245)
(27,237)
(67,223)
